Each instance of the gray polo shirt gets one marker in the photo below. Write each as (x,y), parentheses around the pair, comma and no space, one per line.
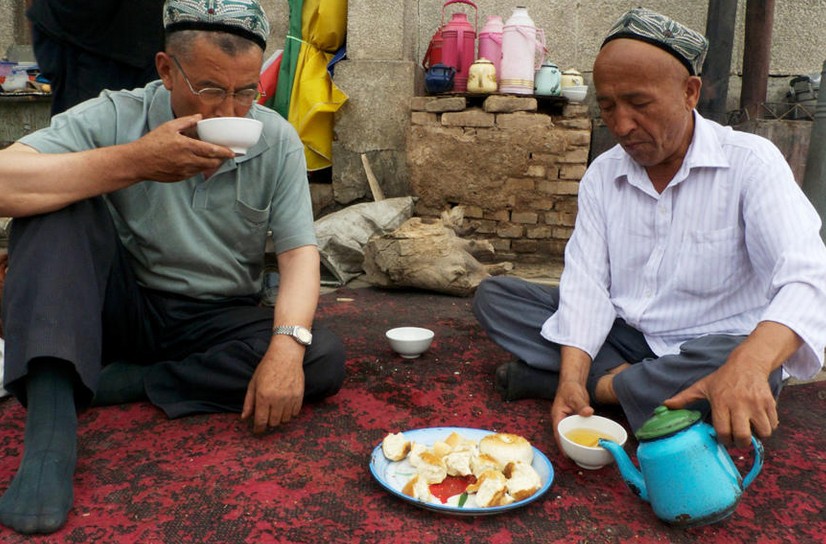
(200,238)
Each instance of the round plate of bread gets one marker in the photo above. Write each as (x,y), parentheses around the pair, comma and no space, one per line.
(461,471)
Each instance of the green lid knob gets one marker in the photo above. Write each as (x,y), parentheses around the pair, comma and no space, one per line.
(665,422)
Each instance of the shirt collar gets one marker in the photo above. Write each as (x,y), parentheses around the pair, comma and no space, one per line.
(705,151)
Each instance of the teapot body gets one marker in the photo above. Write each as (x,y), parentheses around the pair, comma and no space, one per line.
(690,478)
(572,78)
(547,80)
(482,77)
(439,78)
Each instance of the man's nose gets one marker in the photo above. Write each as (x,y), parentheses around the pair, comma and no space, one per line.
(622,122)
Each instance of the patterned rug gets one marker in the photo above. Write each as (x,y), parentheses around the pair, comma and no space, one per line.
(206,479)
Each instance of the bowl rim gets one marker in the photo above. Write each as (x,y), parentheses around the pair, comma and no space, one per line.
(622,439)
(428,334)
(213,120)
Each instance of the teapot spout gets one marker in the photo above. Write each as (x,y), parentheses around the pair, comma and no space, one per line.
(632,477)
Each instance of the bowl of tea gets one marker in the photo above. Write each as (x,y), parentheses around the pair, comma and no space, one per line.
(580,439)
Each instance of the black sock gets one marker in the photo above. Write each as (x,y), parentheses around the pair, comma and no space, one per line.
(40,495)
(120,383)
(517,380)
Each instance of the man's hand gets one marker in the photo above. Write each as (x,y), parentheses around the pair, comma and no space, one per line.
(740,399)
(571,396)
(276,390)
(739,392)
(171,152)
(571,399)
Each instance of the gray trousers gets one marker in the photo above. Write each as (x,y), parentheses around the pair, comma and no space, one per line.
(513,310)
(70,294)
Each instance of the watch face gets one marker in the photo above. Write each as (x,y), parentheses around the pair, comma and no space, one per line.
(304,336)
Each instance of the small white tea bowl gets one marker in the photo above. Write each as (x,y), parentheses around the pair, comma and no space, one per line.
(590,458)
(236,133)
(575,93)
(409,342)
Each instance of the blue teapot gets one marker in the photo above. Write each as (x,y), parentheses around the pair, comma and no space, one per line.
(439,78)
(685,473)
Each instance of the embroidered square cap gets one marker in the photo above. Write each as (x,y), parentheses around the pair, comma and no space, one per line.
(688,46)
(244,18)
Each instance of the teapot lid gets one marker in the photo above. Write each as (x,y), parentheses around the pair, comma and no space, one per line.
(665,422)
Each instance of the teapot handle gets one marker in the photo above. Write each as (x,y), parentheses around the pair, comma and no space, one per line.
(758,462)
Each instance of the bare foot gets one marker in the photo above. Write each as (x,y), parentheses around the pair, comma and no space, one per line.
(604,390)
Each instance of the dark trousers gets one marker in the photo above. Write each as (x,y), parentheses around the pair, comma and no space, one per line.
(513,310)
(71,294)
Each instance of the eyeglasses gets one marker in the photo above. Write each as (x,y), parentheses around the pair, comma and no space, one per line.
(212,96)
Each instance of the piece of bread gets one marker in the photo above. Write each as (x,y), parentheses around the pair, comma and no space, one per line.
(481,462)
(458,442)
(523,480)
(414,457)
(458,463)
(395,446)
(418,488)
(431,468)
(506,448)
(490,488)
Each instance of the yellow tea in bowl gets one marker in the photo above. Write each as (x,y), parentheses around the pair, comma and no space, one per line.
(587,437)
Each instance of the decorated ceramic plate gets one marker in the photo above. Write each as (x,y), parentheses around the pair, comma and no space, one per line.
(393,475)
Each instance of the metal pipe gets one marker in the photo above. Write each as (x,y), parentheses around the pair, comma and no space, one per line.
(720,22)
(756,55)
(814,178)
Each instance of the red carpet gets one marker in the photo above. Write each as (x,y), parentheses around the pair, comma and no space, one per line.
(144,479)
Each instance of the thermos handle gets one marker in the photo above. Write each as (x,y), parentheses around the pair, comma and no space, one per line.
(758,462)
(469,3)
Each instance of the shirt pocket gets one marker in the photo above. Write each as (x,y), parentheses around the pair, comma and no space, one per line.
(709,262)
(251,236)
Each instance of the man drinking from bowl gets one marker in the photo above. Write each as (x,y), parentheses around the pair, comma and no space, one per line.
(137,251)
(695,274)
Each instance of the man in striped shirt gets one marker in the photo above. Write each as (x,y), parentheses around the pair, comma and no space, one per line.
(696,274)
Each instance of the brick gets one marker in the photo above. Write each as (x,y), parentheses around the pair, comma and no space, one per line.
(583,123)
(562,233)
(539,232)
(510,231)
(560,219)
(574,156)
(525,246)
(519,184)
(567,187)
(424,118)
(474,212)
(536,171)
(500,245)
(509,104)
(419,103)
(578,137)
(499,215)
(572,171)
(468,118)
(485,226)
(575,110)
(525,218)
(522,121)
(566,204)
(452,103)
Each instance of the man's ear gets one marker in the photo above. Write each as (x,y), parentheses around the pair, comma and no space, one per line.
(692,91)
(163,63)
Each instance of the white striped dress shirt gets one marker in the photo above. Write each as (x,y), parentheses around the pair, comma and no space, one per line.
(730,242)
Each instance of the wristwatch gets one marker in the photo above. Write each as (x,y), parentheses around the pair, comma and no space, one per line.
(301,334)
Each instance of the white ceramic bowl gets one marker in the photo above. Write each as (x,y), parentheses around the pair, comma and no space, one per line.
(585,456)
(409,342)
(575,93)
(236,133)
